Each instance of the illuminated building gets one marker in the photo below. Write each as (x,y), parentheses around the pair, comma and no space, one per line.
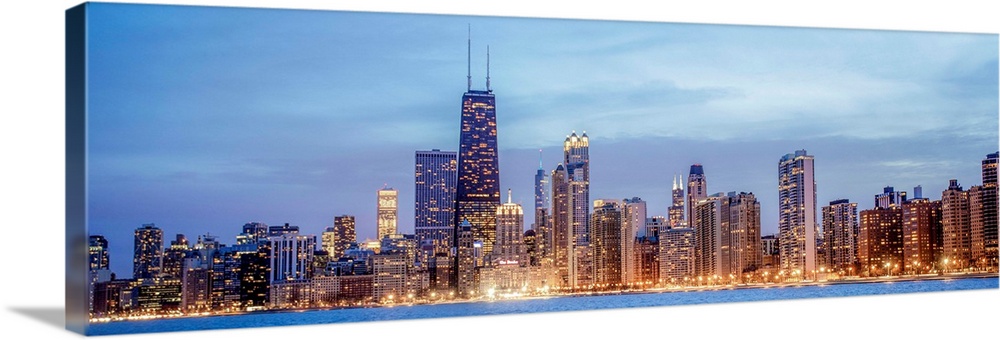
(743,227)
(344,235)
(710,249)
(990,203)
(531,247)
(656,224)
(977,240)
(676,248)
(956,226)
(278,230)
(157,296)
(390,271)
(647,261)
(173,256)
(253,232)
(98,252)
(840,234)
(509,246)
(797,212)
(675,212)
(562,238)
(542,225)
(147,257)
(478,187)
(291,256)
(435,174)
(633,221)
(697,190)
(770,251)
(921,234)
(889,197)
(880,241)
(606,243)
(388,214)
(576,158)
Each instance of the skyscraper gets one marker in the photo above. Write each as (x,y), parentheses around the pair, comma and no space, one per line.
(345,233)
(955,226)
(797,212)
(148,252)
(607,243)
(562,239)
(880,242)
(98,252)
(541,183)
(990,203)
(542,226)
(509,246)
(921,234)
(697,190)
(633,220)
(388,213)
(576,157)
(291,256)
(478,188)
(889,197)
(676,210)
(840,234)
(708,237)
(435,178)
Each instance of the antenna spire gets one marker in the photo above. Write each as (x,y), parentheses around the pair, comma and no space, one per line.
(468,74)
(539,159)
(508,196)
(488,89)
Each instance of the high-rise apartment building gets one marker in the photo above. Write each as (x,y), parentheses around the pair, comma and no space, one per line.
(711,247)
(990,203)
(606,243)
(677,259)
(345,233)
(921,234)
(840,235)
(797,212)
(98,252)
(880,241)
(576,157)
(509,246)
(633,221)
(291,256)
(387,212)
(148,252)
(562,231)
(435,176)
(956,226)
(697,190)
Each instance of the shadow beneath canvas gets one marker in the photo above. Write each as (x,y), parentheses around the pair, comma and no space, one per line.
(53,316)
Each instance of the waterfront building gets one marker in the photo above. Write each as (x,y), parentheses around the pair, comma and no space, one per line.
(697,190)
(633,221)
(345,234)
(840,234)
(921,234)
(989,210)
(291,256)
(435,176)
(509,246)
(711,248)
(647,261)
(148,252)
(956,229)
(606,227)
(797,212)
(562,231)
(253,232)
(880,241)
(97,251)
(387,212)
(676,255)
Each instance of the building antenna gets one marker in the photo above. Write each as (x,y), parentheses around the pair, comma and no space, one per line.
(488,89)
(468,74)
(539,159)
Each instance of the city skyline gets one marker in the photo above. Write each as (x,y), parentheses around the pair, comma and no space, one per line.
(172,191)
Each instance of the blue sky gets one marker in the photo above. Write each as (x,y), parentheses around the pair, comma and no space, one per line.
(205,118)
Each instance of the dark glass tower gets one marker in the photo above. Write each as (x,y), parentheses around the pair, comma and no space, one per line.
(478,188)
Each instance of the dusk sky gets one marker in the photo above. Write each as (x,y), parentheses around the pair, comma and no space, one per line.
(202,118)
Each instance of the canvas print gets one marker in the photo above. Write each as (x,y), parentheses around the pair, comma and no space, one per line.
(226,166)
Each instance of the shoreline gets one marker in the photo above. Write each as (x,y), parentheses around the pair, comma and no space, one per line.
(906,278)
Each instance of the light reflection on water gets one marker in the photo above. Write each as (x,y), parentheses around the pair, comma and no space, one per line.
(551,304)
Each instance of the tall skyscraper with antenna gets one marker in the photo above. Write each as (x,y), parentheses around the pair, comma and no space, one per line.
(478,188)
(675,212)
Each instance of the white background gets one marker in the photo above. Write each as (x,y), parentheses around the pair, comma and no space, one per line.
(32,189)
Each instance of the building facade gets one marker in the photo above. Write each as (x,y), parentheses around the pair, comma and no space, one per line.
(797,212)
(840,235)
(148,252)
(435,176)
(387,212)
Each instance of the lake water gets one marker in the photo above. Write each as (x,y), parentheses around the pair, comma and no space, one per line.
(554,304)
